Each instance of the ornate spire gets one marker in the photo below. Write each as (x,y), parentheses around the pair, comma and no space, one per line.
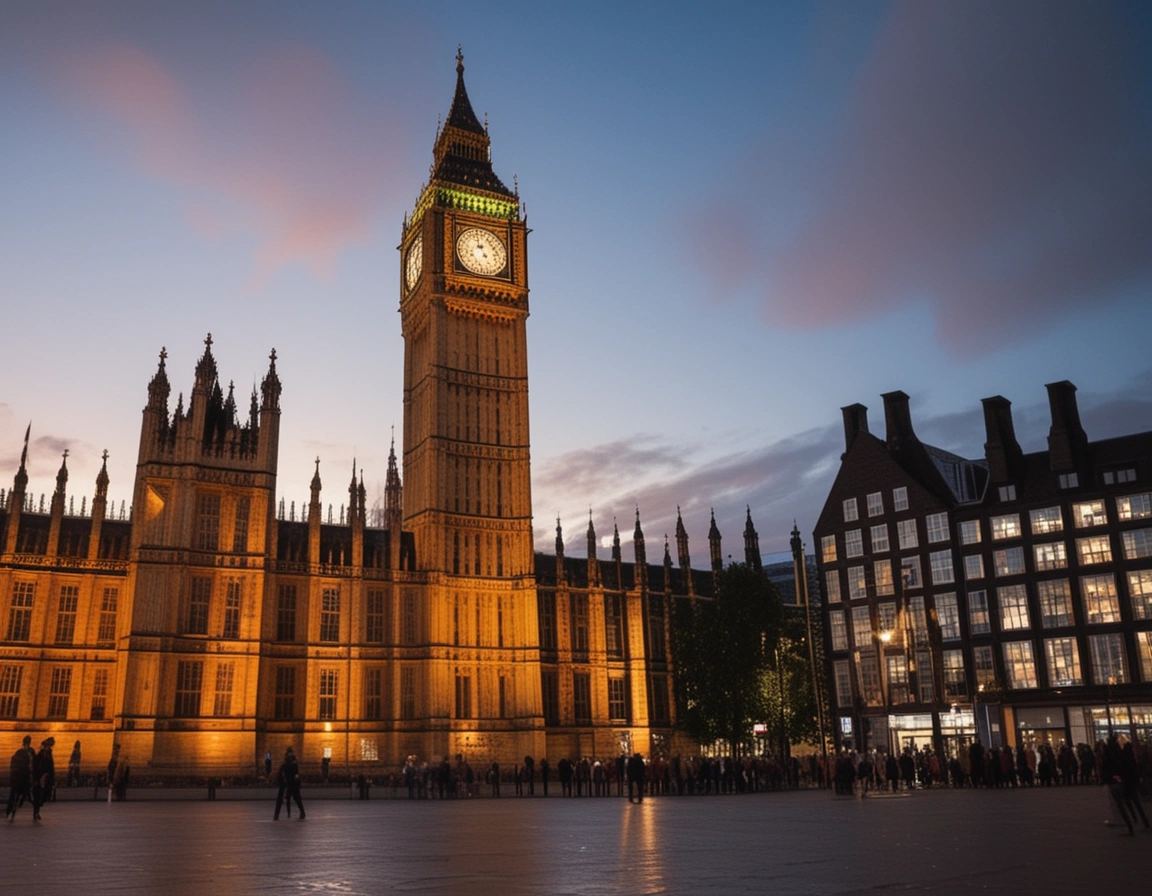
(751,542)
(591,537)
(270,387)
(316,484)
(559,538)
(62,475)
(615,541)
(102,477)
(158,388)
(392,488)
(206,367)
(682,542)
(714,551)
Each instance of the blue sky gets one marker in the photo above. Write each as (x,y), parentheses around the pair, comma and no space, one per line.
(744,217)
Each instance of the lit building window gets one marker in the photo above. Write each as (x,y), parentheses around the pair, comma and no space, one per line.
(1052,555)
(1008,562)
(1046,520)
(1134,507)
(1063,662)
(1108,666)
(1055,599)
(1005,526)
(838,629)
(60,689)
(99,704)
(106,631)
(1137,543)
(882,573)
(1094,549)
(1144,649)
(1140,591)
(955,685)
(1100,602)
(831,587)
(330,614)
(66,613)
(1013,607)
(982,665)
(20,612)
(853,543)
(207,521)
(222,702)
(617,700)
(857,584)
(978,618)
(897,678)
(861,627)
(910,573)
(1019,666)
(232,600)
(1089,513)
(843,675)
(11,677)
(828,548)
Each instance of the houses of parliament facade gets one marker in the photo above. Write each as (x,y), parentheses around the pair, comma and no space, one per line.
(207,630)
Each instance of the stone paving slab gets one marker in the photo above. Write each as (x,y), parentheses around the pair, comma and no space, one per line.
(1052,841)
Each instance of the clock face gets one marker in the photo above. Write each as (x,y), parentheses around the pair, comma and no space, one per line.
(414,262)
(481,251)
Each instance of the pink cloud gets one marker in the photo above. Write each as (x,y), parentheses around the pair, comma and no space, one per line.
(993,161)
(291,156)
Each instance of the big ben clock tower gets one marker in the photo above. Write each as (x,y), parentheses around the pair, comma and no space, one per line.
(467,485)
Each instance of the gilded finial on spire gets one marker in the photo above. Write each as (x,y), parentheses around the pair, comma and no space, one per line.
(459,59)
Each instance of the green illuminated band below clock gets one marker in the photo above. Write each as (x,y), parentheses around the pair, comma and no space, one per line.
(481,252)
(414,262)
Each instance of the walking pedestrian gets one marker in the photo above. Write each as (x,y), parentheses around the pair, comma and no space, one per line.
(636,773)
(289,779)
(44,780)
(20,776)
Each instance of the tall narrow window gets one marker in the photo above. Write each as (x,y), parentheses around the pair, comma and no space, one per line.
(617,700)
(189,682)
(658,688)
(60,689)
(408,619)
(11,677)
(656,643)
(1140,592)
(954,682)
(948,613)
(1100,602)
(463,696)
(222,704)
(828,548)
(207,521)
(613,627)
(843,682)
(875,504)
(99,695)
(1013,607)
(373,693)
(937,525)
(106,631)
(550,696)
(285,701)
(546,603)
(20,613)
(502,697)
(407,692)
(978,619)
(198,601)
(66,613)
(232,610)
(1063,662)
(1055,599)
(850,511)
(286,613)
(374,619)
(579,608)
(582,698)
(329,683)
(1108,666)
(240,530)
(982,665)
(330,614)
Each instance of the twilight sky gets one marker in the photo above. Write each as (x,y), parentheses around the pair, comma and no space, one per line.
(744,216)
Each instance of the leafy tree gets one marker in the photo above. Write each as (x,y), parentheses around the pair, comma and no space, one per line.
(790,690)
(724,647)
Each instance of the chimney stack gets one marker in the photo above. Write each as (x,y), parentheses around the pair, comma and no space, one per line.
(1067,441)
(1001,449)
(855,422)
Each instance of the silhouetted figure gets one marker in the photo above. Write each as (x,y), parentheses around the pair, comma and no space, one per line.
(20,775)
(636,771)
(44,779)
(544,770)
(530,774)
(74,765)
(289,780)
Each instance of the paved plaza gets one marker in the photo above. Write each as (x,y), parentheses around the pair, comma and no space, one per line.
(1050,841)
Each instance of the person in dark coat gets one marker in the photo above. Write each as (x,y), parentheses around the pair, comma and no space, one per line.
(44,780)
(20,775)
(636,772)
(544,770)
(289,779)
